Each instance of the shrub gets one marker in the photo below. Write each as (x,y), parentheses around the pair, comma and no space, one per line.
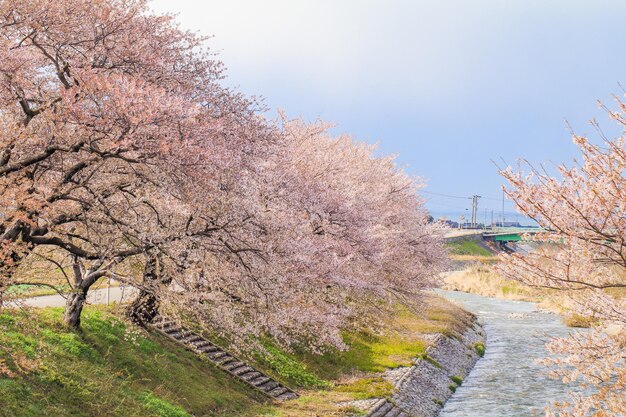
(457,379)
(479,348)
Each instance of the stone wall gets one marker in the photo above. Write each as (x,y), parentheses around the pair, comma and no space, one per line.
(422,389)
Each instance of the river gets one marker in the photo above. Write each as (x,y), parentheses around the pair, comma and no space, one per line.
(507,382)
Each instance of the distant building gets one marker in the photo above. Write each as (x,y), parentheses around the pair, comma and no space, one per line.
(449,223)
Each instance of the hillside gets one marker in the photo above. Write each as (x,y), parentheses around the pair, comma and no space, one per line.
(111,369)
(107,370)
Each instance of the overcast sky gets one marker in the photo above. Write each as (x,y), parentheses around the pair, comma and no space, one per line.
(447,85)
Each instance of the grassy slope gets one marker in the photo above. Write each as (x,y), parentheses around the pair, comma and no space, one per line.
(468,247)
(108,369)
(46,370)
(355,374)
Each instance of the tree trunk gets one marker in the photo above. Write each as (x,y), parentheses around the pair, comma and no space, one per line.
(74,307)
(146,306)
(143,308)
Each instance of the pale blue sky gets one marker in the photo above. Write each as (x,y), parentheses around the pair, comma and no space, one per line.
(445,84)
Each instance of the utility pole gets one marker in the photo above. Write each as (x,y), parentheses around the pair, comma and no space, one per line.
(502,224)
(475,199)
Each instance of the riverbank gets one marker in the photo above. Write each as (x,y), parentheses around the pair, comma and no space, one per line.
(37,350)
(478,278)
(423,388)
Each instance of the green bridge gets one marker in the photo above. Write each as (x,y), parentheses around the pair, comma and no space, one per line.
(511,234)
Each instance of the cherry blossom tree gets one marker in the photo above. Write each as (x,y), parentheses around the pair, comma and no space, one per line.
(337,235)
(101,104)
(584,254)
(118,144)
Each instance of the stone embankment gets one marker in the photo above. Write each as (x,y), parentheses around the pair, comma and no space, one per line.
(422,389)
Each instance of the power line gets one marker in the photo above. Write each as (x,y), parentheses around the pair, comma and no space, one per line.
(464,198)
(446,195)
(435,203)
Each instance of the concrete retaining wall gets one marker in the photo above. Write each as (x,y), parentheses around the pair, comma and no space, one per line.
(427,385)
(422,389)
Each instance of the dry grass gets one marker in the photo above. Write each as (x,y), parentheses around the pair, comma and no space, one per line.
(474,258)
(481,280)
(314,404)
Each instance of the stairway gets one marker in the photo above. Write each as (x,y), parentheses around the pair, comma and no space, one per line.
(223,360)
(384,408)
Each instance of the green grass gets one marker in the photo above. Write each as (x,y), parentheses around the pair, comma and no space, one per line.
(468,247)
(338,376)
(366,388)
(107,369)
(111,369)
(161,407)
(398,345)
(432,361)
(289,368)
(23,290)
(479,348)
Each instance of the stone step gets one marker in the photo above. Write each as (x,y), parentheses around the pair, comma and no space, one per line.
(223,358)
(158,320)
(191,339)
(208,349)
(394,412)
(250,375)
(259,380)
(226,363)
(235,367)
(218,354)
(164,324)
(379,403)
(168,327)
(289,395)
(232,365)
(182,335)
(173,331)
(278,391)
(381,411)
(268,386)
(200,343)
(241,370)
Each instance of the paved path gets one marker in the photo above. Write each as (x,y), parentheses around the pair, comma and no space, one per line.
(98,296)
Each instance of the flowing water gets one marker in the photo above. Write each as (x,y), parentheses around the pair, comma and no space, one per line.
(507,382)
